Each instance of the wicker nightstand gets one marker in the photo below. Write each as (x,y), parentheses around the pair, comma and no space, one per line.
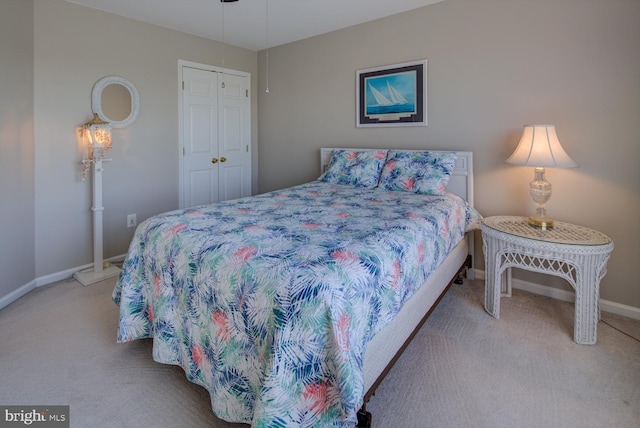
(575,253)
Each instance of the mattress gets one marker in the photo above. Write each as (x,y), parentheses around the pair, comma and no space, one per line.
(388,341)
(269,302)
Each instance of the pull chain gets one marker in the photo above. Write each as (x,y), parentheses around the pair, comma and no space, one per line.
(223,44)
(267,53)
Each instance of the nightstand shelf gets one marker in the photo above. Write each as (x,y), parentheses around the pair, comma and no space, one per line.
(575,253)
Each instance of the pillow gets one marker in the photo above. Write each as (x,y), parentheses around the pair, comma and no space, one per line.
(424,172)
(357,168)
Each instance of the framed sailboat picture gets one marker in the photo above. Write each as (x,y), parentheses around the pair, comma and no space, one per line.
(392,95)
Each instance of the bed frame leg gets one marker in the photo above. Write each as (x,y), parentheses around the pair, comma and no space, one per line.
(364,418)
(468,264)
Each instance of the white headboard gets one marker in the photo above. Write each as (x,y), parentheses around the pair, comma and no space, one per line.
(460,183)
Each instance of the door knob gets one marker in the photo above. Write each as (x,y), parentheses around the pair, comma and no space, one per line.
(223,159)
(214,160)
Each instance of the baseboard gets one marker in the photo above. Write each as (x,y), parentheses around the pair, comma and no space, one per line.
(16,294)
(68,273)
(48,279)
(59,276)
(568,296)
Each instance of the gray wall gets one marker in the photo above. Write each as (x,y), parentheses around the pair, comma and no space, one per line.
(75,46)
(17,243)
(494,65)
(52,54)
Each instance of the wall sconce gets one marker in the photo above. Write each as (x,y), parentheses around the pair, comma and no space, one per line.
(96,135)
(539,147)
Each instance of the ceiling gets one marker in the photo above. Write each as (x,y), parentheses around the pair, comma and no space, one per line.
(245,21)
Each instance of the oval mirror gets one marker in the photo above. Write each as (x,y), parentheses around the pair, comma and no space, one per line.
(116,101)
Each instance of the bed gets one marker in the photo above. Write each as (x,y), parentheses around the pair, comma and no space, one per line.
(290,307)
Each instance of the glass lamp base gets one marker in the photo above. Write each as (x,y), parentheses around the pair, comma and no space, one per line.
(540,190)
(541,222)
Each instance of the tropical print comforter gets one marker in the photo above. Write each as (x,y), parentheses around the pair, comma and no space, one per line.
(269,302)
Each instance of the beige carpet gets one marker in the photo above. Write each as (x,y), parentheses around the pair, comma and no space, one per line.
(464,369)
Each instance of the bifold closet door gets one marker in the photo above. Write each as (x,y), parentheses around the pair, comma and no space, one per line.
(216,137)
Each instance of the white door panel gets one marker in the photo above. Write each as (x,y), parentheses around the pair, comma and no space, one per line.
(201,187)
(232,129)
(200,139)
(216,138)
(235,136)
(232,177)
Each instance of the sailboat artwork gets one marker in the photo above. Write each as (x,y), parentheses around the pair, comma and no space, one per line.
(396,97)
(391,96)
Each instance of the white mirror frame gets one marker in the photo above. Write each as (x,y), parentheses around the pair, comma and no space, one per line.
(96,100)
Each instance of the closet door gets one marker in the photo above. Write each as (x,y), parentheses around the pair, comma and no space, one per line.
(235,138)
(216,136)
(200,137)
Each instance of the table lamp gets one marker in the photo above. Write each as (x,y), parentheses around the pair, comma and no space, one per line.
(539,147)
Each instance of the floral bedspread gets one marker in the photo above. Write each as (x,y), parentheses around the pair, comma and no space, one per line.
(269,302)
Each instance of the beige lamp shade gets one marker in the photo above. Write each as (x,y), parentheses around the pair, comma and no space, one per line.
(539,147)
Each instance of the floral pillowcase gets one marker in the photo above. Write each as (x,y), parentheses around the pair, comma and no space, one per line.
(425,172)
(354,167)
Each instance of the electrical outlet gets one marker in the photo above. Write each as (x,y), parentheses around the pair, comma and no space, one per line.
(131,220)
